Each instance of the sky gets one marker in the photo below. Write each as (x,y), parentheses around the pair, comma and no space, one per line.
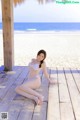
(32,11)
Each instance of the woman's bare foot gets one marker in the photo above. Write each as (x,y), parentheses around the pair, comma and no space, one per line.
(37,100)
(41,98)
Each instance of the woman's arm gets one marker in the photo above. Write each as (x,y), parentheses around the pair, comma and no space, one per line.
(45,71)
(47,75)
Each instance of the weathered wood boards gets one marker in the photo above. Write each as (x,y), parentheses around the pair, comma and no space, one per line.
(20,107)
(64,98)
(61,100)
(53,99)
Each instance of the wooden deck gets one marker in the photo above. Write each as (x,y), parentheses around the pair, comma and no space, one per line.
(61,101)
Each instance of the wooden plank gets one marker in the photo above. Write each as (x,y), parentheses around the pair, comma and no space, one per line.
(63,91)
(2,74)
(64,99)
(76,77)
(11,80)
(4,106)
(11,92)
(53,99)
(40,112)
(74,95)
(66,111)
(78,69)
(13,112)
(14,109)
(27,110)
(4,78)
(8,42)
(9,75)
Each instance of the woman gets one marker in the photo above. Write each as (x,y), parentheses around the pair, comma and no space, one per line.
(27,89)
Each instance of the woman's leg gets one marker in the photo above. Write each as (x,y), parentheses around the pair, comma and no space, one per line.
(28,88)
(32,92)
(25,94)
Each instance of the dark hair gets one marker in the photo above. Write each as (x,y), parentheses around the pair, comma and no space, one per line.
(44,52)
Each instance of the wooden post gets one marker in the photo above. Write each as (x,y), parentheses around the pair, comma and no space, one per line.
(8,34)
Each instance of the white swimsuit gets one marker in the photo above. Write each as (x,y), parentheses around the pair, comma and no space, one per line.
(35,66)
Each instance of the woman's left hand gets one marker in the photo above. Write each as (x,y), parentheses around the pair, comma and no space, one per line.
(51,81)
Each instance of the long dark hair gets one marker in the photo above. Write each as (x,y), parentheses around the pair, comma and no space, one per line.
(44,52)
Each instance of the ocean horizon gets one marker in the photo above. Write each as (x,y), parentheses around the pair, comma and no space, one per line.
(41,26)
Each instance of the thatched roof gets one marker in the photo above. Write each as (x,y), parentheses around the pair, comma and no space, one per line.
(20,1)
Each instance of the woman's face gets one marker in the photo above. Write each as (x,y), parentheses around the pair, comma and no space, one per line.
(40,57)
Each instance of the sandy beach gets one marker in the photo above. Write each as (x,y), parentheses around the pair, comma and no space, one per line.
(63,48)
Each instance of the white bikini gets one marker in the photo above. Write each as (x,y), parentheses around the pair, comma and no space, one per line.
(34,66)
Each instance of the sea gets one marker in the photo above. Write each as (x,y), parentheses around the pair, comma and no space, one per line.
(41,26)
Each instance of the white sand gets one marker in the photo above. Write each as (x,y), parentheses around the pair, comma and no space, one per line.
(63,48)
